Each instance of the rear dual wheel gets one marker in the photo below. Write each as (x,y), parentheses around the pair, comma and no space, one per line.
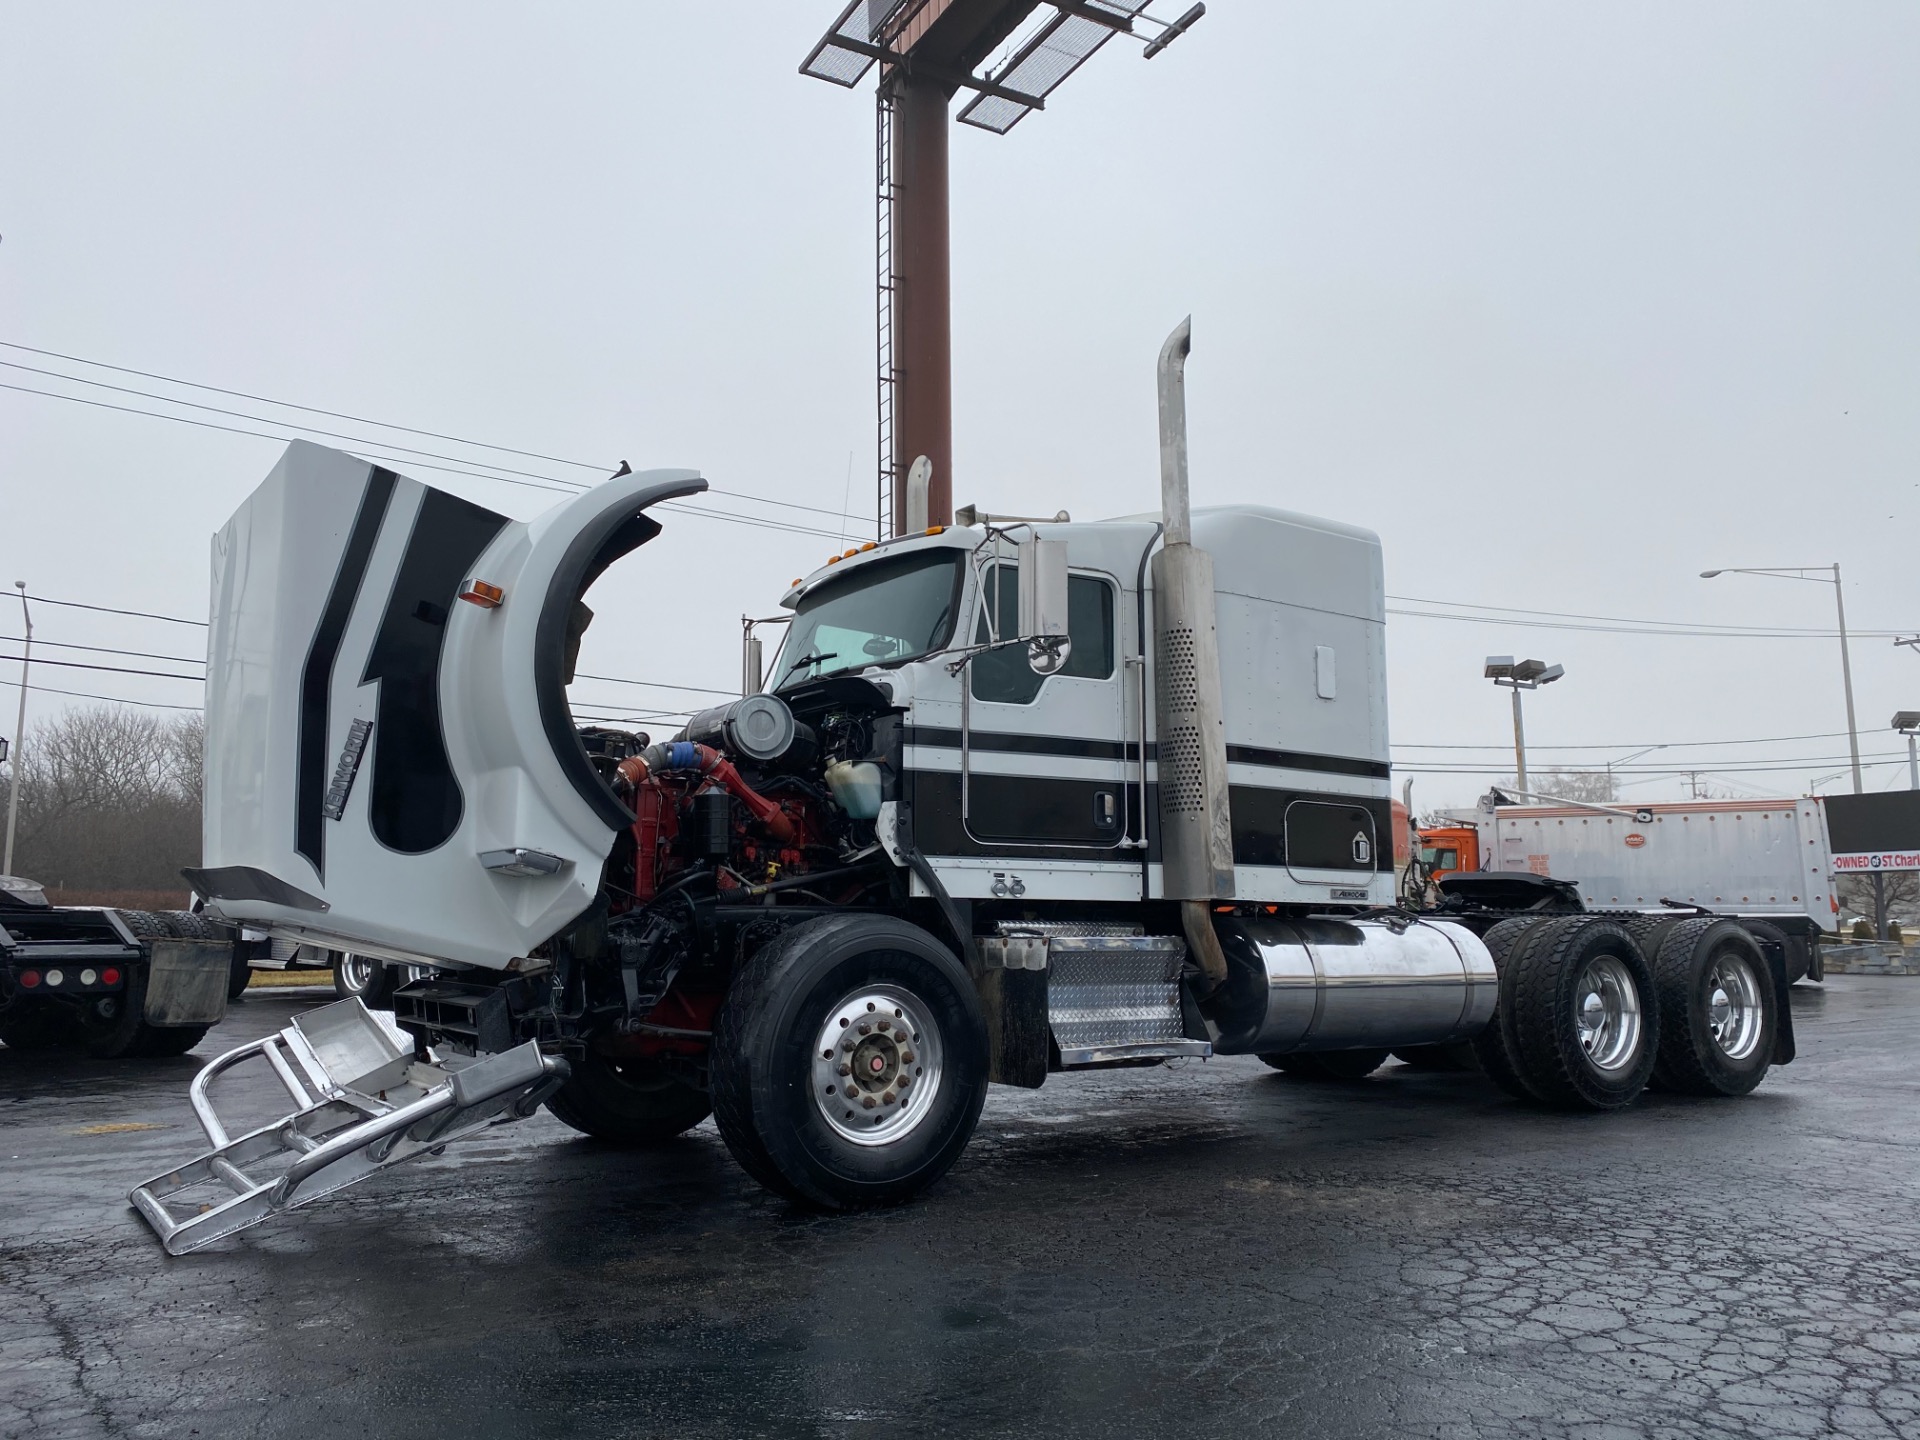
(1577,1023)
(1717,994)
(28,1024)
(849,1062)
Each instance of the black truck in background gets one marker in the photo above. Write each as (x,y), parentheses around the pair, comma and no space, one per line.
(112,983)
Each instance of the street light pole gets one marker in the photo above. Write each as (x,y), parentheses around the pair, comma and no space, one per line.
(1846,675)
(19,731)
(1907,723)
(1519,741)
(1518,676)
(1799,572)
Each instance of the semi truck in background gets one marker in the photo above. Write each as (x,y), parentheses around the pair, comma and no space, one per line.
(114,983)
(1015,799)
(1767,863)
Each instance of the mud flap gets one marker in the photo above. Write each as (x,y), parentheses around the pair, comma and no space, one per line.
(187,982)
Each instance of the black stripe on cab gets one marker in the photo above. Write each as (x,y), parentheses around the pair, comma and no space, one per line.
(316,677)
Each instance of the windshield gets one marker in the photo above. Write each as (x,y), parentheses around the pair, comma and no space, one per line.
(882,613)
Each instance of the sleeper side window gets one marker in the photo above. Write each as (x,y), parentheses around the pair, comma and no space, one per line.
(1004,676)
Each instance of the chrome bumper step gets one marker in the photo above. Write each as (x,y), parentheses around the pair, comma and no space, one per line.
(362,1104)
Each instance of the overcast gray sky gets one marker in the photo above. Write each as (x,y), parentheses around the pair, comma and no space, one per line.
(1568,301)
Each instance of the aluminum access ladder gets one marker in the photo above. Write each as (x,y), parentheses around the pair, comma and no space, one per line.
(361,1103)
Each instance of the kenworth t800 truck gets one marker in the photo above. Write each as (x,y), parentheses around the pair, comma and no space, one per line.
(1015,799)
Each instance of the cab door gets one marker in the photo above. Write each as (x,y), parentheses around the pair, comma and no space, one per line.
(1044,760)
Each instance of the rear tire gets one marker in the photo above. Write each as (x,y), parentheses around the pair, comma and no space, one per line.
(1498,1054)
(1586,1016)
(627,1102)
(36,1025)
(832,1124)
(1717,1008)
(364,976)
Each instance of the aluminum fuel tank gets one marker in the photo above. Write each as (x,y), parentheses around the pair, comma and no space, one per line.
(1324,984)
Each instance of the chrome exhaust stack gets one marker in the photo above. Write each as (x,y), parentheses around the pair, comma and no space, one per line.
(1196,821)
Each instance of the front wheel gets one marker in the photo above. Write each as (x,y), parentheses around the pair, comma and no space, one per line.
(849,1062)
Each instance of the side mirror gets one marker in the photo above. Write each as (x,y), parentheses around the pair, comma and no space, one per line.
(1043,604)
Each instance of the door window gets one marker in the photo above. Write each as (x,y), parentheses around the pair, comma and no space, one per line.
(1003,676)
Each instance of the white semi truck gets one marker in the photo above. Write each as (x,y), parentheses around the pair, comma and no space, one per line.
(1017,799)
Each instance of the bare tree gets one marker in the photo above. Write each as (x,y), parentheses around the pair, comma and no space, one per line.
(1592,787)
(110,799)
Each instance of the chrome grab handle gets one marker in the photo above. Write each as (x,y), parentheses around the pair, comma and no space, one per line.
(197,1092)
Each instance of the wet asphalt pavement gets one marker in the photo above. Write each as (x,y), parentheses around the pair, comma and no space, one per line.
(1207,1249)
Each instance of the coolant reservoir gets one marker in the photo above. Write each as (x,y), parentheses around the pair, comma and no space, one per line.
(856,787)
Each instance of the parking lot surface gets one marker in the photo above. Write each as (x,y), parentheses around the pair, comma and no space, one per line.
(1211,1248)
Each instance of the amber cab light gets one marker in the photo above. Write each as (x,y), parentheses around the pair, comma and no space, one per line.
(479,592)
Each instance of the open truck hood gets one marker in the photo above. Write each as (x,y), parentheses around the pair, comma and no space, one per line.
(388,769)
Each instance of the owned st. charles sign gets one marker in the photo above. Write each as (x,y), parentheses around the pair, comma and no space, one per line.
(1871,860)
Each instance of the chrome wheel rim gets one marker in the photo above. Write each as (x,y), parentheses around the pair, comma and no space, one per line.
(1606,1012)
(357,971)
(1734,1010)
(877,1065)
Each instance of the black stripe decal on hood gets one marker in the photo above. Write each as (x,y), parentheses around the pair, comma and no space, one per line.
(316,678)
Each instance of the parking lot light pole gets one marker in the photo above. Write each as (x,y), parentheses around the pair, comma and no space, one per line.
(1518,675)
(19,731)
(1907,723)
(1803,572)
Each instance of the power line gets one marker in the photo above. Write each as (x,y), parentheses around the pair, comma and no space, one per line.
(292,405)
(1622,625)
(1676,629)
(110,610)
(1638,745)
(564,487)
(268,420)
(106,650)
(113,699)
(602,468)
(114,669)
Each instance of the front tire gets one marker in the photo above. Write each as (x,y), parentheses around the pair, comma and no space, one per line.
(627,1101)
(849,1062)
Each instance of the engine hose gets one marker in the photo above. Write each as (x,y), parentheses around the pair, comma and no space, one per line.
(683,755)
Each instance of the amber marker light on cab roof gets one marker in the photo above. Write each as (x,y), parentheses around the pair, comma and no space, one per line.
(480,593)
